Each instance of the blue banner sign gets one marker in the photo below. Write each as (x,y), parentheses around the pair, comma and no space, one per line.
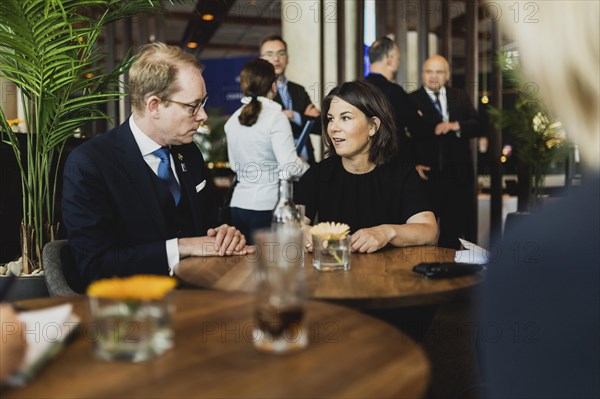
(222,76)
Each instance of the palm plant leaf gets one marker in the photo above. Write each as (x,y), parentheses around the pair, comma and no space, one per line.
(46,48)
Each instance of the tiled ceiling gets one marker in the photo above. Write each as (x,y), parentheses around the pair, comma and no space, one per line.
(236,29)
(239,25)
(247,22)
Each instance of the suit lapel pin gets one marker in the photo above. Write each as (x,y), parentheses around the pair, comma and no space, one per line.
(183,167)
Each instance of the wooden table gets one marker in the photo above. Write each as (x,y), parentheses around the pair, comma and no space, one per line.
(380,280)
(350,355)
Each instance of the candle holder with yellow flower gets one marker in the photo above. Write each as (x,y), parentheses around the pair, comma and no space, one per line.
(331,246)
(131,317)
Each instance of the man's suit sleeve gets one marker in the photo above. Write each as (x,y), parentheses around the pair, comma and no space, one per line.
(426,122)
(301,100)
(470,122)
(409,114)
(210,208)
(89,214)
(423,132)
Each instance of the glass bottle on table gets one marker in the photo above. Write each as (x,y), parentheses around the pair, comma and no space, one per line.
(287,218)
(286,213)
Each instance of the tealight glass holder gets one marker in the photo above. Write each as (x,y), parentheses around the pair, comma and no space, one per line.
(331,255)
(131,330)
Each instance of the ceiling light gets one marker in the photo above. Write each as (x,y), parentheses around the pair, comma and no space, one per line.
(207,17)
(192,45)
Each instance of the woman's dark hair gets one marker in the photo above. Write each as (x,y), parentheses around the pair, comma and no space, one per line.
(256,79)
(371,102)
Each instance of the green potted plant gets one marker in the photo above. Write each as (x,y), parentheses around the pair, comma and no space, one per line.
(540,140)
(49,50)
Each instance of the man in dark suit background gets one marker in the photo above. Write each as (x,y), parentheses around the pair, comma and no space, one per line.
(384,58)
(294,99)
(138,198)
(443,154)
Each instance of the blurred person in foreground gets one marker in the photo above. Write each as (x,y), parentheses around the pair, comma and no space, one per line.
(261,148)
(362,182)
(541,302)
(138,198)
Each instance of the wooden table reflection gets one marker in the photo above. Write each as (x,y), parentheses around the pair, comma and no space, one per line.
(350,355)
(380,280)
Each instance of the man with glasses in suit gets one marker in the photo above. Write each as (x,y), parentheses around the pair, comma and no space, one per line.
(294,99)
(138,198)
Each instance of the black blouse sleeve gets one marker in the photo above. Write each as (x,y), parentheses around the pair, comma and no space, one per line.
(306,191)
(414,198)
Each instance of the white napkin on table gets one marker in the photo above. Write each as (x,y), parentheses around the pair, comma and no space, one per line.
(45,332)
(472,254)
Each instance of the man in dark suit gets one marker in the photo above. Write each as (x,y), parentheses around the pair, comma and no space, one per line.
(138,199)
(294,99)
(384,57)
(443,154)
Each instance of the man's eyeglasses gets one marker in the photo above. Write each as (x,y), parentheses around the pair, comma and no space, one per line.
(194,107)
(271,54)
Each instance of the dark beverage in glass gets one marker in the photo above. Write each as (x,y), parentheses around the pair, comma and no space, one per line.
(279,313)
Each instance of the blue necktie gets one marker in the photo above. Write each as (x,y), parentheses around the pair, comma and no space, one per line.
(438,104)
(165,173)
(284,93)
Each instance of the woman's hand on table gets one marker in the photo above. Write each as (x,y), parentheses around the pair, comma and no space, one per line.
(372,239)
(419,229)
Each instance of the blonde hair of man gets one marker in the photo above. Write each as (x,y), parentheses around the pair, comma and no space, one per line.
(154,72)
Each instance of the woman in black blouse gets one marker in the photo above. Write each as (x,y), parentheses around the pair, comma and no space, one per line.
(361,182)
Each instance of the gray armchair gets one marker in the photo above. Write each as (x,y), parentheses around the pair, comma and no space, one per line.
(56,258)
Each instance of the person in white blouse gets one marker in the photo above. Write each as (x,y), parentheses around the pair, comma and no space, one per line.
(261,149)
